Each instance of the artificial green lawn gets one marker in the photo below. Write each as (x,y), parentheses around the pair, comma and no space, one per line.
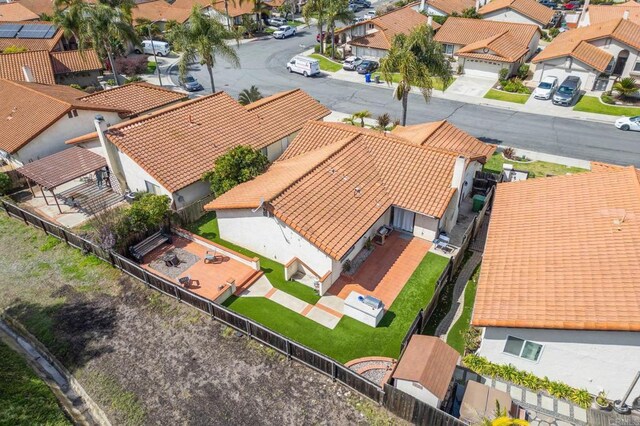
(351,339)
(535,168)
(24,398)
(326,64)
(207,227)
(499,95)
(454,337)
(593,104)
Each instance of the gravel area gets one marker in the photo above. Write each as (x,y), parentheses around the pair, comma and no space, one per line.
(187,260)
(364,364)
(376,375)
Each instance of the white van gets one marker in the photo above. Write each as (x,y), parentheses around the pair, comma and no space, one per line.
(162,48)
(303,65)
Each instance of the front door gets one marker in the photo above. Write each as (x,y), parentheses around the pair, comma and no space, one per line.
(403,219)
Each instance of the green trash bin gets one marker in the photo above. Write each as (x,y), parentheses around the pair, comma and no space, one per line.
(478,202)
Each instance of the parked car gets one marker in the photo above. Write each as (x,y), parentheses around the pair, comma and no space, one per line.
(162,48)
(277,22)
(367,66)
(546,88)
(351,63)
(355,7)
(303,65)
(568,91)
(363,3)
(190,84)
(628,123)
(284,31)
(370,14)
(327,37)
(572,5)
(549,3)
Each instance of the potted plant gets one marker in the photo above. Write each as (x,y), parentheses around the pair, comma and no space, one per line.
(601,400)
(368,244)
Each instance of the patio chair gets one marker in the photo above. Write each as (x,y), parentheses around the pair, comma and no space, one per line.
(442,242)
(212,256)
(185,281)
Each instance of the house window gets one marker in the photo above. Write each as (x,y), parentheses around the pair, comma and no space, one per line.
(370,26)
(448,49)
(523,348)
(72,113)
(417,385)
(152,188)
(607,43)
(636,67)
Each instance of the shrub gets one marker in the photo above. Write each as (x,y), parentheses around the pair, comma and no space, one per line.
(509,153)
(440,19)
(515,85)
(147,212)
(132,65)
(553,32)
(239,165)
(346,266)
(607,99)
(15,49)
(471,337)
(5,183)
(90,89)
(523,71)
(504,74)
(316,48)
(76,86)
(133,79)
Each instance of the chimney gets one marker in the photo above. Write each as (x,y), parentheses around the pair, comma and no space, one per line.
(28,75)
(422,5)
(111,153)
(430,21)
(625,15)
(458,173)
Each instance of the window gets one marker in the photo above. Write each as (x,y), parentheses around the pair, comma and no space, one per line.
(522,348)
(152,188)
(636,67)
(72,113)
(370,26)
(448,49)
(568,63)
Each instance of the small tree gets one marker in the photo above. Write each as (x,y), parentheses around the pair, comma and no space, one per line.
(249,95)
(626,87)
(239,165)
(5,183)
(15,49)
(147,212)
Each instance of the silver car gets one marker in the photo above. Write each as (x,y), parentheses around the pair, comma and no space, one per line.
(351,63)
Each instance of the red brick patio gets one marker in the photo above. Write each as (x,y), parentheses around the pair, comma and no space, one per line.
(386,270)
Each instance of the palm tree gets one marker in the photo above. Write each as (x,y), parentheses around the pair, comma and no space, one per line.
(416,58)
(204,38)
(626,87)
(249,95)
(143,25)
(337,11)
(350,120)
(361,115)
(383,121)
(316,9)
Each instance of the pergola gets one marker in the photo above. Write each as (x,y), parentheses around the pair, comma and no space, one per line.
(57,169)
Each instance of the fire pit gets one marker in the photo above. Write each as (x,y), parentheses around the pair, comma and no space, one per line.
(171,259)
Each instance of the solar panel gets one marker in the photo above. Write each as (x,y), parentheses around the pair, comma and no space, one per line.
(9,30)
(36,31)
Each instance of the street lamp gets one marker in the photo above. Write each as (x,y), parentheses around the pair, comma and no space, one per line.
(153,49)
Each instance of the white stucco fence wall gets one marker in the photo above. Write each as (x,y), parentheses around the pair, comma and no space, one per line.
(418,391)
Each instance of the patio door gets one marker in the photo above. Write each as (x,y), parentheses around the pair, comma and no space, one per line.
(403,219)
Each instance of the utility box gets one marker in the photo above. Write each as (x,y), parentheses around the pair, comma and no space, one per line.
(478,203)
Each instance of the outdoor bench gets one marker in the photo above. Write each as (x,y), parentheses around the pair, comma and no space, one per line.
(146,246)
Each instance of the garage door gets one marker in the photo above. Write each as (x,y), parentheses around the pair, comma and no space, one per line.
(480,68)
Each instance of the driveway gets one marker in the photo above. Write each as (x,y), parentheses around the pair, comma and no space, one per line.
(468,85)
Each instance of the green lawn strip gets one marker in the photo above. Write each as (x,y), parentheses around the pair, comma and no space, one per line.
(499,95)
(351,339)
(593,104)
(207,227)
(25,399)
(454,338)
(326,64)
(535,168)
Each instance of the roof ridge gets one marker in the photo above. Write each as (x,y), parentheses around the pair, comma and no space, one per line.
(137,83)
(31,89)
(635,177)
(271,98)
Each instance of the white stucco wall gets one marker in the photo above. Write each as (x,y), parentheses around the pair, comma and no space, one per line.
(594,360)
(425,227)
(52,139)
(136,175)
(433,11)
(418,391)
(275,150)
(614,47)
(450,216)
(510,15)
(190,194)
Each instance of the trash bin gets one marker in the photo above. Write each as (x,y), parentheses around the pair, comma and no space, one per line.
(376,78)
(367,78)
(478,203)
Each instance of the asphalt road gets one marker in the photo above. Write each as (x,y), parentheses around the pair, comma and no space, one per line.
(263,64)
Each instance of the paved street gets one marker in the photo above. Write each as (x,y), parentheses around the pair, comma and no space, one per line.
(263,64)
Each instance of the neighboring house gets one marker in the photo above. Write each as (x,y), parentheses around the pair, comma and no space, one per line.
(16,12)
(558,293)
(337,184)
(37,119)
(41,66)
(426,369)
(160,11)
(34,35)
(228,12)
(444,7)
(168,151)
(373,37)
(76,67)
(596,14)
(484,47)
(522,11)
(598,54)
(38,7)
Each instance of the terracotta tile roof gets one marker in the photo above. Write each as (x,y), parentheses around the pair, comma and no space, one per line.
(529,8)
(375,40)
(443,135)
(430,362)
(464,31)
(16,12)
(71,61)
(564,253)
(278,119)
(48,44)
(236,8)
(601,13)
(38,6)
(177,144)
(450,6)
(84,138)
(62,167)
(136,97)
(576,42)
(157,10)
(38,61)
(27,109)
(358,174)
(500,47)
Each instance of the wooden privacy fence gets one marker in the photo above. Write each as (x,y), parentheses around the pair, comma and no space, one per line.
(394,400)
(195,211)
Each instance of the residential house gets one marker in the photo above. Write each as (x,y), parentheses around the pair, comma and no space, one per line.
(37,119)
(522,11)
(41,66)
(33,35)
(444,7)
(16,12)
(373,37)
(168,151)
(38,7)
(558,293)
(598,54)
(336,185)
(228,12)
(425,370)
(484,47)
(597,14)
(160,11)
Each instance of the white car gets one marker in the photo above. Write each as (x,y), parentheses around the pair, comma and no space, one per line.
(628,123)
(351,63)
(546,88)
(284,31)
(370,14)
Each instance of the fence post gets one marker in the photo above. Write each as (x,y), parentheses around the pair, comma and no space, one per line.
(4,206)
(334,371)
(210,309)
(42,226)
(65,236)
(23,216)
(248,327)
(288,346)
(146,279)
(176,290)
(111,258)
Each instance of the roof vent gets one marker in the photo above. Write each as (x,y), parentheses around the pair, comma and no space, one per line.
(345,178)
(13,111)
(625,15)
(357,192)
(332,170)
(618,221)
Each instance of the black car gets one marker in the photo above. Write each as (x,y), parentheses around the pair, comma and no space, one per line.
(367,66)
(190,84)
(549,3)
(363,3)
